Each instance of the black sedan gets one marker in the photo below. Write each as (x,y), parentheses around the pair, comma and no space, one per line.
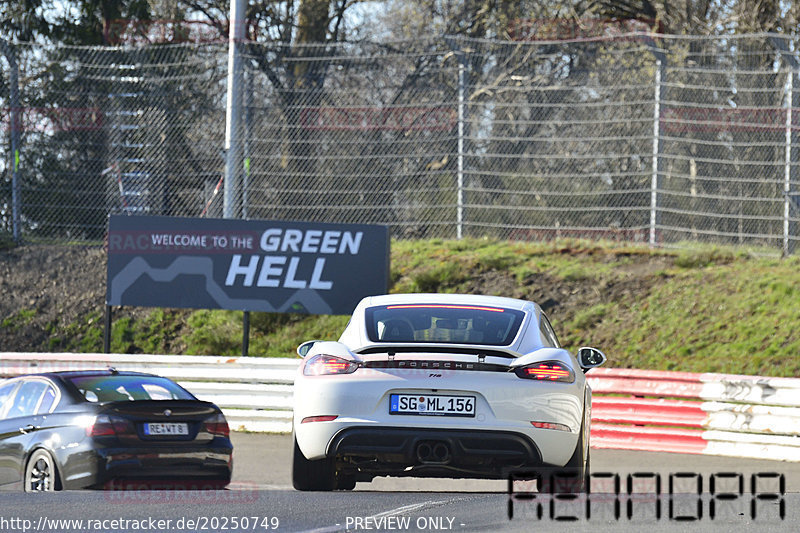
(109,429)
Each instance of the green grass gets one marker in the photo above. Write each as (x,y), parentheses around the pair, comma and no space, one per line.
(214,332)
(590,316)
(702,309)
(19,319)
(735,318)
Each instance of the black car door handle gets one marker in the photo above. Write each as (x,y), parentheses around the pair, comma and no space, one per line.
(28,428)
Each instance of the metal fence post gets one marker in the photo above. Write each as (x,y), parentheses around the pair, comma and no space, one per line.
(791,193)
(248,121)
(233,111)
(655,181)
(792,102)
(462,84)
(15,126)
(787,184)
(461,57)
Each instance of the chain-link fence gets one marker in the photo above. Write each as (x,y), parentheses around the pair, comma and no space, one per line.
(641,138)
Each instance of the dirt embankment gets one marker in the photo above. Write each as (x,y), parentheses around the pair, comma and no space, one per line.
(43,289)
(46,291)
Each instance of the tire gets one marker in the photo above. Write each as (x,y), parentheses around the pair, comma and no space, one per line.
(344,481)
(41,474)
(318,475)
(572,478)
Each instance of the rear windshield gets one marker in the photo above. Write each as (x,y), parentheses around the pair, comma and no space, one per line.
(443,323)
(128,388)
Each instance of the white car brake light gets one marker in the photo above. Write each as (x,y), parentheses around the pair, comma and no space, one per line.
(321,418)
(324,365)
(550,425)
(547,371)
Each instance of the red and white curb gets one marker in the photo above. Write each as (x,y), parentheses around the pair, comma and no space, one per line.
(714,414)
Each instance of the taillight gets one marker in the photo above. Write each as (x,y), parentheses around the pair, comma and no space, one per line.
(547,371)
(217,426)
(109,426)
(323,365)
(550,425)
(320,418)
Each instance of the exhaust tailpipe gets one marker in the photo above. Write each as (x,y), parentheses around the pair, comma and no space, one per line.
(441,452)
(424,452)
(429,452)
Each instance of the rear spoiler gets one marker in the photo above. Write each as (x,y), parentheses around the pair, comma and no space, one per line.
(455,349)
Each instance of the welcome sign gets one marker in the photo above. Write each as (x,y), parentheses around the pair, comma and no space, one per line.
(246,265)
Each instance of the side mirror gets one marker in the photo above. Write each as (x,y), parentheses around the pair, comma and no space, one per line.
(304,348)
(590,358)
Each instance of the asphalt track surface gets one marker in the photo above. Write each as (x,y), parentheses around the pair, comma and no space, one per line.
(261,499)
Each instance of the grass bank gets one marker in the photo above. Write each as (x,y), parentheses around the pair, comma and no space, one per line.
(703,309)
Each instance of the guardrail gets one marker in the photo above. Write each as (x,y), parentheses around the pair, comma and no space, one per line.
(255,393)
(715,414)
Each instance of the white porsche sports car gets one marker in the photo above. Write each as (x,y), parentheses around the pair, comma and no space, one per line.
(443,385)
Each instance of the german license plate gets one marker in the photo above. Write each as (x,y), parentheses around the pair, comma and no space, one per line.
(168,428)
(431,405)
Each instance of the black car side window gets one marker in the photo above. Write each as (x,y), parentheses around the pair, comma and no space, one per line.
(27,399)
(47,401)
(6,394)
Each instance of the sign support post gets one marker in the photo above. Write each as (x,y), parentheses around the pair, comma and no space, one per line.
(245,333)
(107,330)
